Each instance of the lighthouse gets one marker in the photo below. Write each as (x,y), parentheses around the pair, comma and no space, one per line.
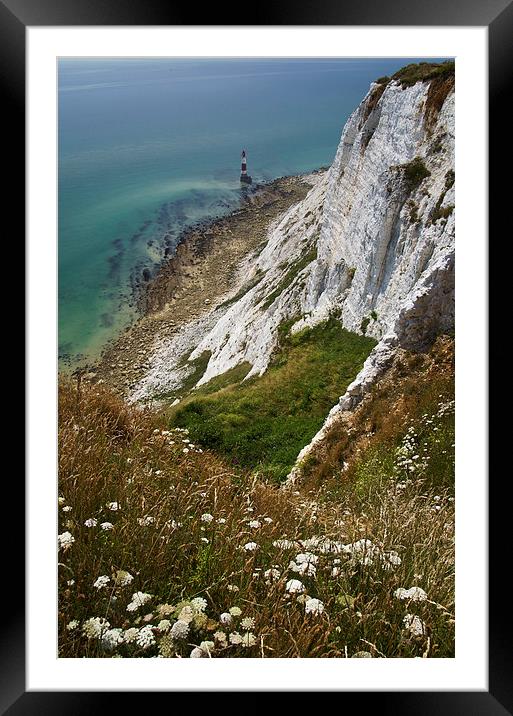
(244,176)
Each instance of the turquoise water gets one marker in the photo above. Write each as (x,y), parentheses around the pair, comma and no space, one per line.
(148,147)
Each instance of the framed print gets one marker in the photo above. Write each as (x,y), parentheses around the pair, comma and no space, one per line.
(257,353)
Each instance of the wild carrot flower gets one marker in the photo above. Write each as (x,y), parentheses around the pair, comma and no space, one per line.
(130,635)
(94,627)
(186,614)
(294,586)
(123,578)
(145,638)
(199,604)
(235,638)
(101,581)
(113,506)
(226,618)
(314,606)
(415,594)
(221,637)
(197,653)
(72,625)
(138,600)
(179,630)
(164,625)
(271,575)
(91,522)
(67,508)
(65,540)
(206,517)
(247,623)
(112,638)
(414,625)
(235,611)
(250,546)
(255,524)
(106,525)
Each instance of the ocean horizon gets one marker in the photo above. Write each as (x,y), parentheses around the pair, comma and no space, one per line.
(149,147)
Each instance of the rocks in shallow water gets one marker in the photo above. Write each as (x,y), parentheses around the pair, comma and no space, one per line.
(146,274)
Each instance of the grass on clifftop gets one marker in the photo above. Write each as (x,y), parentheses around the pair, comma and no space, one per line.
(264,422)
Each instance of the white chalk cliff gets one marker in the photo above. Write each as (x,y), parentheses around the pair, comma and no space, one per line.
(372,244)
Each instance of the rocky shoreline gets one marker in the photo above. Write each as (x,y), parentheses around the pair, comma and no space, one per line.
(201,274)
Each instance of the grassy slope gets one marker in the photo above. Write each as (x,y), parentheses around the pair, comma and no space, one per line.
(264,422)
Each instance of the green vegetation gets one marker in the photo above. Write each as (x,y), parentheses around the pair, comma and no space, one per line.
(383,80)
(291,274)
(264,422)
(414,173)
(374,315)
(364,324)
(423,72)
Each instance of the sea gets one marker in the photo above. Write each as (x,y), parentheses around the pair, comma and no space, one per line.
(149,147)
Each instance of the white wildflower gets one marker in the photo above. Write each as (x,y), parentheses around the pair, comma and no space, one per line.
(232,588)
(180,629)
(94,627)
(235,611)
(145,638)
(271,575)
(101,582)
(65,540)
(113,506)
(138,600)
(186,614)
(164,625)
(235,638)
(123,578)
(130,635)
(206,517)
(250,546)
(146,521)
(91,522)
(314,606)
(415,594)
(294,586)
(72,625)
(197,653)
(112,638)
(198,605)
(226,618)
(255,524)
(70,582)
(67,508)
(61,500)
(247,623)
(220,636)
(414,625)
(106,525)
(221,521)
(268,520)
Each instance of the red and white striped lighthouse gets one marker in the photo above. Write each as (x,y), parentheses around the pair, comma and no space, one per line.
(244,176)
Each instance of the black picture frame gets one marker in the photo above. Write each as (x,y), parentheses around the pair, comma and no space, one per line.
(497,15)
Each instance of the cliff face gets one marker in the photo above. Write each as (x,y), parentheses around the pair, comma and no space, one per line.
(372,243)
